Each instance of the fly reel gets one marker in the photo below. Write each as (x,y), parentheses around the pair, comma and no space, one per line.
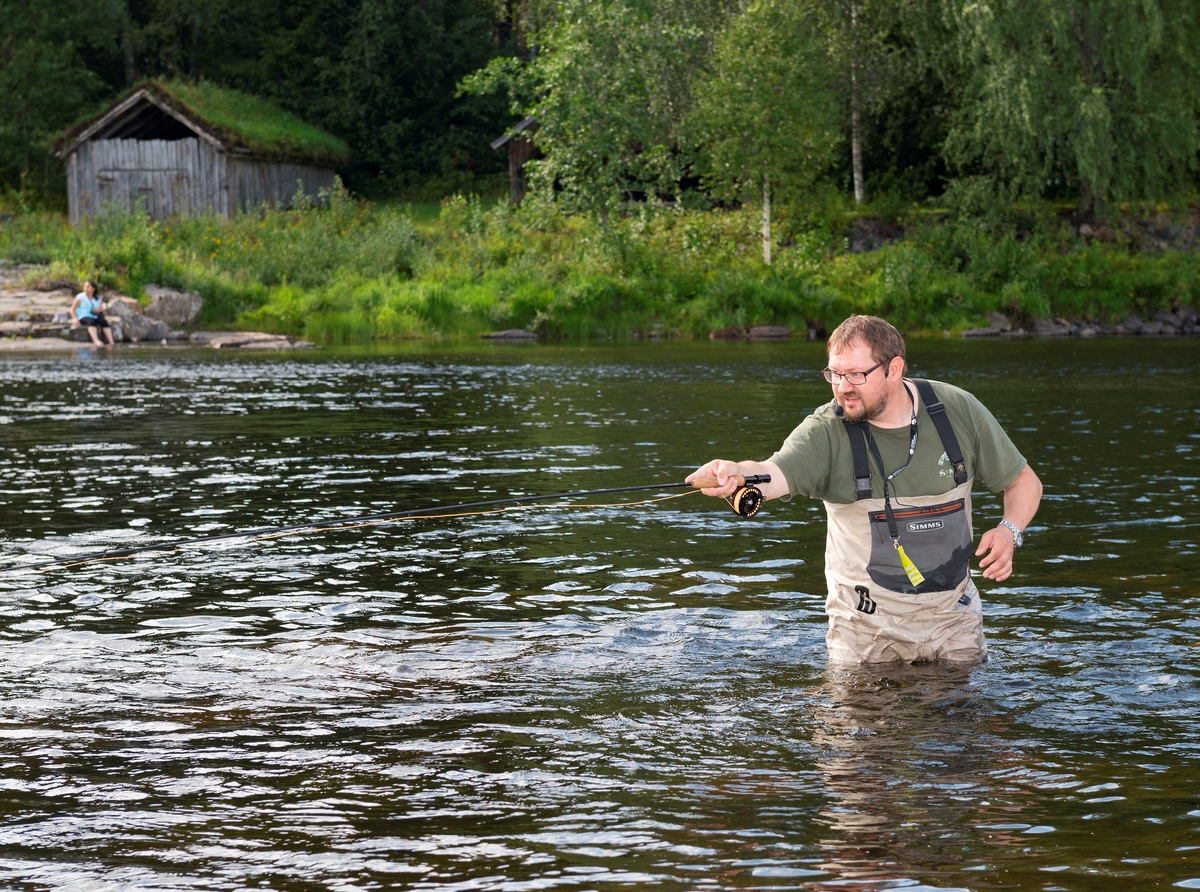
(746,500)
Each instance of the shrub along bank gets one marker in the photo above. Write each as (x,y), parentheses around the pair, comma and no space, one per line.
(349,271)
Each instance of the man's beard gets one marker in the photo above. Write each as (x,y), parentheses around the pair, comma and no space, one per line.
(866,411)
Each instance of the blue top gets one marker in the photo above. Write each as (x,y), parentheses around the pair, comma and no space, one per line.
(87,306)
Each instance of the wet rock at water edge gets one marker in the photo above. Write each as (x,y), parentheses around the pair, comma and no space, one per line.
(175,308)
(1171,322)
(1052,328)
(998,324)
(136,327)
(1168,317)
(770,333)
(158,331)
(253,340)
(1189,321)
(510,334)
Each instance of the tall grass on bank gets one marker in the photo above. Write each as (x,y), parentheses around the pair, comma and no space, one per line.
(349,271)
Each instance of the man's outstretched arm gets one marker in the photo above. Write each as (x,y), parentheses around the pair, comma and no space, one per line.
(727,470)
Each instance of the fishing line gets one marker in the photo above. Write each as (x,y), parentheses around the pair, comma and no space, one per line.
(744,502)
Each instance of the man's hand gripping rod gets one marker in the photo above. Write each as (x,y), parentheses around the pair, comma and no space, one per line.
(746,499)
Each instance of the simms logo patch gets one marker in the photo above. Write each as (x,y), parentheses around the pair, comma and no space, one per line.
(923,526)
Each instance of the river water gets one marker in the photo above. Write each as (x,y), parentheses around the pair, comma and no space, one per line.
(574,696)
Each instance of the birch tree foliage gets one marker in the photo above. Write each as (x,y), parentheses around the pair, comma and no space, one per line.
(614,84)
(768,117)
(868,66)
(1101,94)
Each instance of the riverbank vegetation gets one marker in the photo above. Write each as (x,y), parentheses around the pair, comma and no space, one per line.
(351,271)
(699,164)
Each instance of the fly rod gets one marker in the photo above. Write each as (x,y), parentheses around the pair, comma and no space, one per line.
(745,501)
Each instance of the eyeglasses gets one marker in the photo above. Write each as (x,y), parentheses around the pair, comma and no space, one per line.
(855,378)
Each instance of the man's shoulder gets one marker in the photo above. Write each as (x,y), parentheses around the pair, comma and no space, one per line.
(826,413)
(956,400)
(943,389)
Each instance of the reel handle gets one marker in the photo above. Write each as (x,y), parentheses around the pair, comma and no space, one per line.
(711,482)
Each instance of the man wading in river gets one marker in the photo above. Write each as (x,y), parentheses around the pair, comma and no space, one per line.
(894,460)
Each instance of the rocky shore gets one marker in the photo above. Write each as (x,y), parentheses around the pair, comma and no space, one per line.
(35,315)
(1180,321)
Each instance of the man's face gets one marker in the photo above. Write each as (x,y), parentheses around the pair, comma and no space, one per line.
(862,402)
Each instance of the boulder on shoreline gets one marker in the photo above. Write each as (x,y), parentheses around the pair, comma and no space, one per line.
(130,324)
(175,308)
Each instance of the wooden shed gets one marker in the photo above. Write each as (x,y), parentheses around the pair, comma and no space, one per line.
(521,148)
(179,149)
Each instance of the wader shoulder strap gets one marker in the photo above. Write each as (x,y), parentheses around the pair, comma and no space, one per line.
(857,431)
(941,421)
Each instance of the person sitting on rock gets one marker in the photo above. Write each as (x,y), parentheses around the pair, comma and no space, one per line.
(88,310)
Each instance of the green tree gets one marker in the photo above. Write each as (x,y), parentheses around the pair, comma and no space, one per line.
(1101,94)
(381,74)
(870,64)
(767,119)
(612,84)
(44,80)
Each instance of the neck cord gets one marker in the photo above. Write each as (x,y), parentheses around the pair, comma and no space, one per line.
(893,528)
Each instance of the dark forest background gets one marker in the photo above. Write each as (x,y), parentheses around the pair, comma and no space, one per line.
(988,102)
(381,75)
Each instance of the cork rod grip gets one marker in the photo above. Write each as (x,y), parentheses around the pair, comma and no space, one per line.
(711,482)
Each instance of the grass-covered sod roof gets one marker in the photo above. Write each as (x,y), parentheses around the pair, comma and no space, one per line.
(243,124)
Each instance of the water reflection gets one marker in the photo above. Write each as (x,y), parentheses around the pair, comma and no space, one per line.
(909,757)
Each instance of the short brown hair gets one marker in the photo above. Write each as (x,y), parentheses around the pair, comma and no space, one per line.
(878,334)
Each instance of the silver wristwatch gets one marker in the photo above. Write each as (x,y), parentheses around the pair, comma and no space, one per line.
(1018,536)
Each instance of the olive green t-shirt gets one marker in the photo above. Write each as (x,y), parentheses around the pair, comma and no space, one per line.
(817,462)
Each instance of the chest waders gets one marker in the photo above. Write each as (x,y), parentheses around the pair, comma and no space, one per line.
(899,575)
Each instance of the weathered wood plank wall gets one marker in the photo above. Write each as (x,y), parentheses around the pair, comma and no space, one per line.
(170,178)
(254,183)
